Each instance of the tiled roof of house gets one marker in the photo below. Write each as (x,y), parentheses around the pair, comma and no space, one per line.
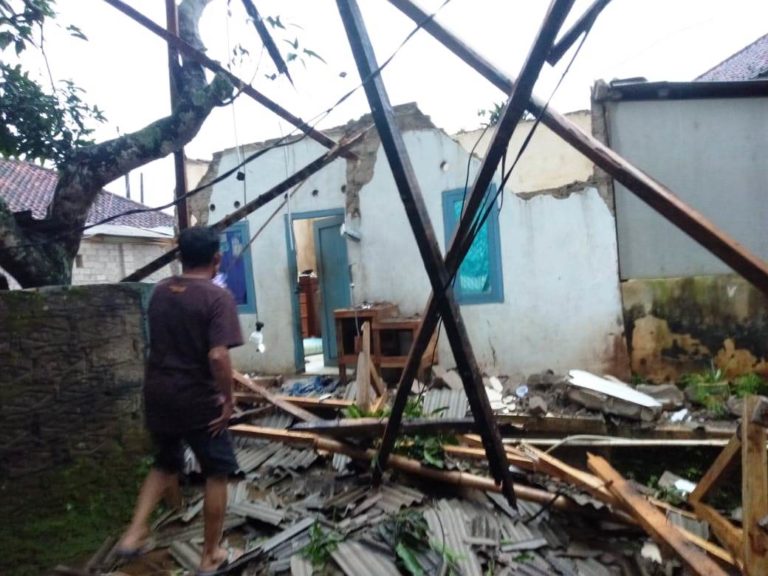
(25,186)
(749,63)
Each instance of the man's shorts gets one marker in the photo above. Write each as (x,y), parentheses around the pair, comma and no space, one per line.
(214,453)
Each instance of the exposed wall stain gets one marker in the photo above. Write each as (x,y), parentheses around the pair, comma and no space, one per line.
(561,192)
(680,325)
(198,204)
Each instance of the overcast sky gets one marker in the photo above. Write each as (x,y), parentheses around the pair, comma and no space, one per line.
(123,67)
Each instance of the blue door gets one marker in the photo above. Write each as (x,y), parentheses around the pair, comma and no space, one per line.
(333,278)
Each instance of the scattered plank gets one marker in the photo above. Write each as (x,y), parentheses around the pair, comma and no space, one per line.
(554,467)
(729,535)
(363,374)
(714,474)
(754,491)
(355,427)
(653,521)
(288,407)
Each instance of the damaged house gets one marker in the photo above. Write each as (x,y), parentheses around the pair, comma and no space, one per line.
(540,289)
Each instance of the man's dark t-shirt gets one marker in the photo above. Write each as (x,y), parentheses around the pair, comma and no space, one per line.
(187,317)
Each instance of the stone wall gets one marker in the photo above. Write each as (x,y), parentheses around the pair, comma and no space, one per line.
(71,369)
(680,325)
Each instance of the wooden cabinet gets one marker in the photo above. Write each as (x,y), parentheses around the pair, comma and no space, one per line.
(392,342)
(349,327)
(392,338)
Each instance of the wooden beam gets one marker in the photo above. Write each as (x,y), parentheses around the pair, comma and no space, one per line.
(253,205)
(754,491)
(357,427)
(653,521)
(426,240)
(719,467)
(650,191)
(554,467)
(410,466)
(288,407)
(729,535)
(196,55)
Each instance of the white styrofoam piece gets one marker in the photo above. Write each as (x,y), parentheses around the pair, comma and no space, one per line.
(583,379)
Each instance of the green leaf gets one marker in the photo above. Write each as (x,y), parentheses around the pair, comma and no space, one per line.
(294,44)
(408,558)
(76,32)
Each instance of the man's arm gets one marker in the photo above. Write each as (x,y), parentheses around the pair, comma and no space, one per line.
(221,369)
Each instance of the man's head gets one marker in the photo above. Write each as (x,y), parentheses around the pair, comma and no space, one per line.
(199,248)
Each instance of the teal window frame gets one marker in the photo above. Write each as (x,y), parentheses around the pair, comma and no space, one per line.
(495,293)
(244,266)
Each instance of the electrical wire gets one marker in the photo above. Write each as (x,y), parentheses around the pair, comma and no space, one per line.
(283,141)
(487,207)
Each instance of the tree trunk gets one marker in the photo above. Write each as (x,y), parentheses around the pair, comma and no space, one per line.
(39,253)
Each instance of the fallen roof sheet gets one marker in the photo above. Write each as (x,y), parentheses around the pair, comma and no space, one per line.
(355,559)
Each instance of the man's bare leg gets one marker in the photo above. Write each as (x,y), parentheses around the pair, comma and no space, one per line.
(214,508)
(155,485)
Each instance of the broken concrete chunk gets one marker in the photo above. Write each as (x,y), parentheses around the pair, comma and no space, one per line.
(670,396)
(493,395)
(537,406)
(608,405)
(544,379)
(493,383)
(735,405)
(670,481)
(619,390)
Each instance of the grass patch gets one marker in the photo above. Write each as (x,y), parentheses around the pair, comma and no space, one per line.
(62,516)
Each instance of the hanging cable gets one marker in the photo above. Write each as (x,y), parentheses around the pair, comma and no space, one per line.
(284,141)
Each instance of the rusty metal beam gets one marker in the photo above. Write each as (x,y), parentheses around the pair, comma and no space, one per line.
(462,239)
(172,26)
(653,193)
(410,193)
(277,190)
(214,66)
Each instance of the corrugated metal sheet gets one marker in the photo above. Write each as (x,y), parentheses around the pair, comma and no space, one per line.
(591,567)
(276,420)
(187,555)
(517,536)
(251,457)
(195,531)
(356,559)
(448,527)
(286,535)
(697,527)
(554,533)
(564,566)
(445,403)
(300,566)
(397,496)
(259,511)
(345,500)
(287,458)
(340,462)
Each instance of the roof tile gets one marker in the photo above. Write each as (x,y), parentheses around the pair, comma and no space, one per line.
(25,186)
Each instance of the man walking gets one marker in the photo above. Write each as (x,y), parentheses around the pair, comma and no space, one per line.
(188,391)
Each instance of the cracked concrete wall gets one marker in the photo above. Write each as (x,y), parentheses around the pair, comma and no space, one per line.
(561,306)
(71,371)
(549,162)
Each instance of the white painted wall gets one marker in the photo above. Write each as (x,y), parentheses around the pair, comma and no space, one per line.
(561,306)
(548,162)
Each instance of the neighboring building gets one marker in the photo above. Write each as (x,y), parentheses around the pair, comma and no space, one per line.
(108,252)
(749,63)
(539,289)
(548,162)
(706,142)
